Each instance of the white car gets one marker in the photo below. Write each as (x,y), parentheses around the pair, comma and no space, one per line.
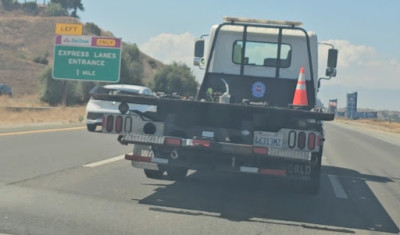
(96,108)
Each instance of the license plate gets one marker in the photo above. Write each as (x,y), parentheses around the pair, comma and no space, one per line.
(268,139)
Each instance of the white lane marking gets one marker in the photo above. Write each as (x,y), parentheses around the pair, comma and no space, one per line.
(337,187)
(325,160)
(106,161)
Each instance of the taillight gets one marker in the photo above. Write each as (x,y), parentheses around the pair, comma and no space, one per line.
(118,124)
(110,123)
(301,143)
(311,141)
(204,143)
(173,141)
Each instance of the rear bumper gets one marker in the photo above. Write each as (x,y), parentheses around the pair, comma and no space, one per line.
(94,118)
(290,170)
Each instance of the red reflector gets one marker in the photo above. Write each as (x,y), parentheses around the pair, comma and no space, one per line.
(260,150)
(272,172)
(204,143)
(319,142)
(311,141)
(137,158)
(173,141)
(118,124)
(301,143)
(110,123)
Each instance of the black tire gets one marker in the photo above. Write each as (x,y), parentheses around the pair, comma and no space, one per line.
(91,127)
(153,174)
(312,187)
(177,173)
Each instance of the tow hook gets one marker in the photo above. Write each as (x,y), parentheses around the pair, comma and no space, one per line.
(174,154)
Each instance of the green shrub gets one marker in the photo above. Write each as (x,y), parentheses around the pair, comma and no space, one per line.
(54,90)
(10,4)
(175,78)
(92,28)
(42,59)
(30,7)
(54,9)
(152,63)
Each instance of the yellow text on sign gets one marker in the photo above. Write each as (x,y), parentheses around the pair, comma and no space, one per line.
(105,42)
(73,29)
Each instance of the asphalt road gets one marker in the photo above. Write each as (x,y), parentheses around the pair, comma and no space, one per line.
(70,181)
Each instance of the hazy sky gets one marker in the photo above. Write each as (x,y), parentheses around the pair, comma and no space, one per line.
(366,32)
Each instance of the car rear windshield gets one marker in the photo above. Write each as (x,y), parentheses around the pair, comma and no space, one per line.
(101,89)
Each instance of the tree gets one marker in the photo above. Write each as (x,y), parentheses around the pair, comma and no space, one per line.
(10,4)
(175,78)
(56,92)
(131,69)
(73,5)
(54,9)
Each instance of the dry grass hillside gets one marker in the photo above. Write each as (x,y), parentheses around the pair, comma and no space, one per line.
(24,37)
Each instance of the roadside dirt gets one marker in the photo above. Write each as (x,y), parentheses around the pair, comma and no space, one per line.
(392,127)
(28,110)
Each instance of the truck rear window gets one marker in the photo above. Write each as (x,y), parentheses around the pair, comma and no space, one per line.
(261,54)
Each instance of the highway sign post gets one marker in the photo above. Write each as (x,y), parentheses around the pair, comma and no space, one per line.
(87,58)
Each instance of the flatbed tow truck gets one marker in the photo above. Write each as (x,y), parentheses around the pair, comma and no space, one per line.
(255,111)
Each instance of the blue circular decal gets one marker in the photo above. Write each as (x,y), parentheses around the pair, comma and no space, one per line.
(258,89)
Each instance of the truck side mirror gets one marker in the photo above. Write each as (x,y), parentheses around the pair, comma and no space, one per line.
(199,48)
(332,58)
(332,62)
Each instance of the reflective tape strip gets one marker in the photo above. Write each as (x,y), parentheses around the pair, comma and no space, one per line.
(301,86)
(272,172)
(159,160)
(249,169)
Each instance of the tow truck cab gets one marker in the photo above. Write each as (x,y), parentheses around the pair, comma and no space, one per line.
(259,61)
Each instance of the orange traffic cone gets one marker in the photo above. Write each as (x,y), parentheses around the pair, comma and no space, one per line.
(300,95)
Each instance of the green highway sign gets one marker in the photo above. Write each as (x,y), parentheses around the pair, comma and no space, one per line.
(87,58)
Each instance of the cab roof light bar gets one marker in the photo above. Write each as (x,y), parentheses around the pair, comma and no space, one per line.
(261,21)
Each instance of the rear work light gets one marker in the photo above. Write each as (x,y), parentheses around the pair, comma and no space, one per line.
(173,141)
(128,124)
(292,139)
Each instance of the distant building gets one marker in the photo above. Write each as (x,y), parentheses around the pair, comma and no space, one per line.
(351,105)
(332,107)
(351,109)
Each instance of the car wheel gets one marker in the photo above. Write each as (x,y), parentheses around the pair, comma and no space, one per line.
(91,127)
